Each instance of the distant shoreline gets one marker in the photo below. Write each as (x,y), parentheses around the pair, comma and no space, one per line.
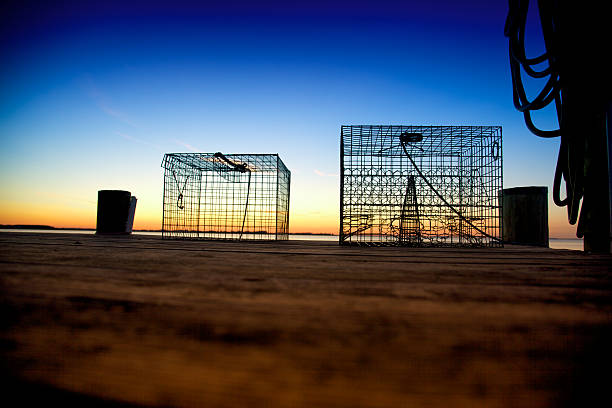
(49,227)
(42,227)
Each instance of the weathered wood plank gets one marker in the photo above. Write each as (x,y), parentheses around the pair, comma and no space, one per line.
(144,321)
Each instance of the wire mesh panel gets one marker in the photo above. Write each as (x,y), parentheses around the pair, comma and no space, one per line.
(232,197)
(420,185)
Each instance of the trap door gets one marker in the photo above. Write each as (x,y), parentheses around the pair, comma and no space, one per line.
(224,204)
(181,202)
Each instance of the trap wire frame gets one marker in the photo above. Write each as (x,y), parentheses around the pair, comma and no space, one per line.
(421,185)
(225,197)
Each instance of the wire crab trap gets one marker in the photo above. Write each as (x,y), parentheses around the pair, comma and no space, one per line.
(420,185)
(229,197)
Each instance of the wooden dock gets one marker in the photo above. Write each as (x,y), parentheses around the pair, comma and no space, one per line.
(139,321)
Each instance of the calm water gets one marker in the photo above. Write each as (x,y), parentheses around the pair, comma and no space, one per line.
(556,243)
(564,243)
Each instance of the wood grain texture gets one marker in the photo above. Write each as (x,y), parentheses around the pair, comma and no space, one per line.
(140,321)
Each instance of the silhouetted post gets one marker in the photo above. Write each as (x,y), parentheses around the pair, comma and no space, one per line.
(586,93)
(525,215)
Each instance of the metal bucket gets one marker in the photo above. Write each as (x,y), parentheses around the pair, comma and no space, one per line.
(116,210)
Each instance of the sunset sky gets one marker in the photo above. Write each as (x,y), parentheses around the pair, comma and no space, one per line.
(92,94)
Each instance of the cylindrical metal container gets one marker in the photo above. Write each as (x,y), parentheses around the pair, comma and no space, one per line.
(113,212)
(525,215)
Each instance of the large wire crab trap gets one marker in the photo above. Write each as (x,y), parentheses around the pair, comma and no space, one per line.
(231,197)
(420,185)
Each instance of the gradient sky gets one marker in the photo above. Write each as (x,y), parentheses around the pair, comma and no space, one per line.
(92,95)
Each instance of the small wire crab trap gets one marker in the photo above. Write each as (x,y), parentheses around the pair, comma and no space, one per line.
(229,197)
(421,185)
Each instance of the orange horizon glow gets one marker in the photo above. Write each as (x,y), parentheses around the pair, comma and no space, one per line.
(86,219)
(309,214)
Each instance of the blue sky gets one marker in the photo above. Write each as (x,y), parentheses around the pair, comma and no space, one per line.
(92,95)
